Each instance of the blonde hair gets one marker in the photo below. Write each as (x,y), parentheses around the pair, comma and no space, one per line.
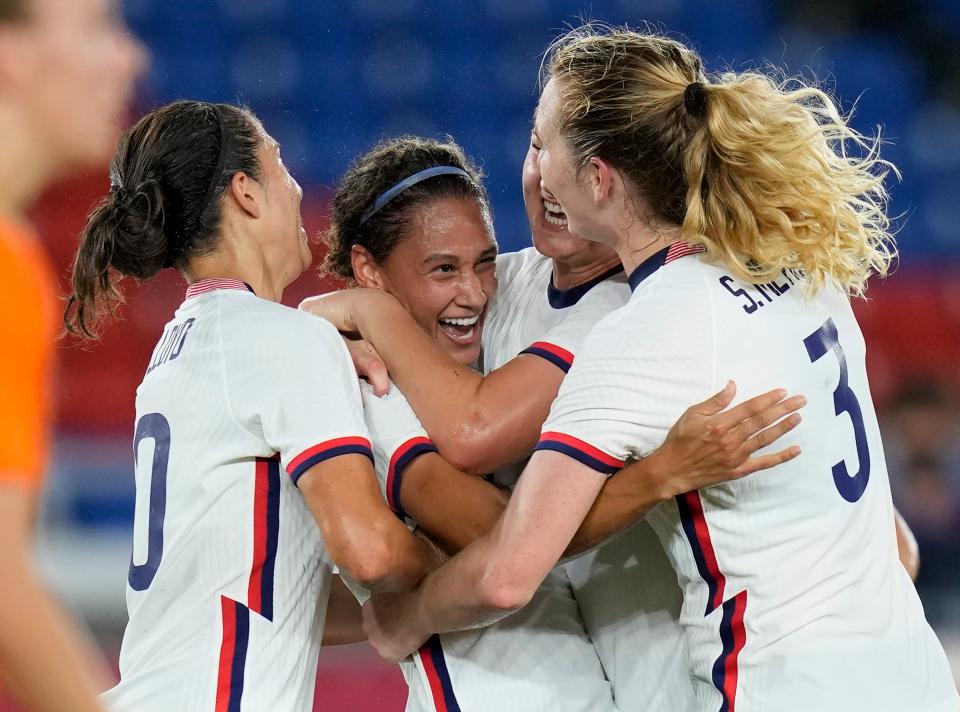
(757,170)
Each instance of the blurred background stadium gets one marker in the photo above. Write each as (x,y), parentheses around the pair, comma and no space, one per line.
(330,77)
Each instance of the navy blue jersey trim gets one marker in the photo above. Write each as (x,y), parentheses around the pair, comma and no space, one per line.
(563,298)
(647,268)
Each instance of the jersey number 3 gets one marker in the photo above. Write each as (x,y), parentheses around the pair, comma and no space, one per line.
(819,343)
(152,426)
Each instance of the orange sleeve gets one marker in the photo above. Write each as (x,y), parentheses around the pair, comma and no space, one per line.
(26,319)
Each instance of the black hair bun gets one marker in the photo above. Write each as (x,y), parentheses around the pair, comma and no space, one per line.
(140,244)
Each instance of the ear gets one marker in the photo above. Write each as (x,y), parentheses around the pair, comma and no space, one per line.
(365,269)
(603,178)
(247,193)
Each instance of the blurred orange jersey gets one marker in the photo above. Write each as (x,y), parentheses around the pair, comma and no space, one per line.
(28,325)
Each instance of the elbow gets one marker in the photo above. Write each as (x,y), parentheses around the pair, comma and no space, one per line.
(505,593)
(469,451)
(369,573)
(369,567)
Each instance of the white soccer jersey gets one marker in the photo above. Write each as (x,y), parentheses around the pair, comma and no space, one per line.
(537,660)
(229,577)
(794,598)
(626,590)
(529,315)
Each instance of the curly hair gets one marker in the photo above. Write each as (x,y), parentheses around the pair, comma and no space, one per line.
(375,172)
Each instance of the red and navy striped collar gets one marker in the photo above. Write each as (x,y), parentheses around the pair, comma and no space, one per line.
(563,298)
(212,285)
(663,257)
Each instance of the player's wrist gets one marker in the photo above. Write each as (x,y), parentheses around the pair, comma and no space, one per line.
(659,483)
(372,306)
(419,620)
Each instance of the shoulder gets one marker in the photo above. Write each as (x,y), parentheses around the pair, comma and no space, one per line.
(261,318)
(672,306)
(513,265)
(611,293)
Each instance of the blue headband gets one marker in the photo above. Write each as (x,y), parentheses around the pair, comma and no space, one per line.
(393,192)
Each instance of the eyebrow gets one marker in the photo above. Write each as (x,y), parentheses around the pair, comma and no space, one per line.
(440,256)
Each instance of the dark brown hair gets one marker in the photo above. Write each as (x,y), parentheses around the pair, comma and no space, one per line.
(167,182)
(375,172)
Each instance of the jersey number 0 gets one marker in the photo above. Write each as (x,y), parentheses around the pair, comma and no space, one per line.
(152,426)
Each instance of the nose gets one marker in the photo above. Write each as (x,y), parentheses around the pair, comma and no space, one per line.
(545,192)
(471,294)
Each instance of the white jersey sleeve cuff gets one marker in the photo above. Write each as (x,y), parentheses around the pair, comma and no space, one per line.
(580,451)
(326,450)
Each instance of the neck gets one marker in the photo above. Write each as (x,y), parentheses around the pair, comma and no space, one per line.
(237,258)
(642,239)
(570,273)
(26,167)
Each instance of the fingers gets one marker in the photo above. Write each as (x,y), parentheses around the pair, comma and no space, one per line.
(770,414)
(765,462)
(376,374)
(312,304)
(717,402)
(770,435)
(751,407)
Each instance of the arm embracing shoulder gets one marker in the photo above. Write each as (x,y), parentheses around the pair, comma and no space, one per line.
(309,411)
(454,508)
(451,506)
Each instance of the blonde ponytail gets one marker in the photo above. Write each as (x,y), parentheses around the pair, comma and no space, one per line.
(765,174)
(771,185)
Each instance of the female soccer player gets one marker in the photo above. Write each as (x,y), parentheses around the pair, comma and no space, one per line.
(743,226)
(253,465)
(429,243)
(66,78)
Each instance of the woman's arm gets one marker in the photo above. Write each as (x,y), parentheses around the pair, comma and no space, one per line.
(707,444)
(40,652)
(499,572)
(452,507)
(478,423)
(344,622)
(364,538)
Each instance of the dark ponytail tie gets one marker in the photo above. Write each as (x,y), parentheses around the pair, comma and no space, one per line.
(695,99)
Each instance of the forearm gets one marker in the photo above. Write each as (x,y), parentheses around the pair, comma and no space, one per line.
(344,623)
(439,388)
(500,572)
(39,651)
(457,596)
(478,423)
(452,507)
(626,498)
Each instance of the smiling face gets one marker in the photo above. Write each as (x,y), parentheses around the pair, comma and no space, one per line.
(566,191)
(283,236)
(443,272)
(548,223)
